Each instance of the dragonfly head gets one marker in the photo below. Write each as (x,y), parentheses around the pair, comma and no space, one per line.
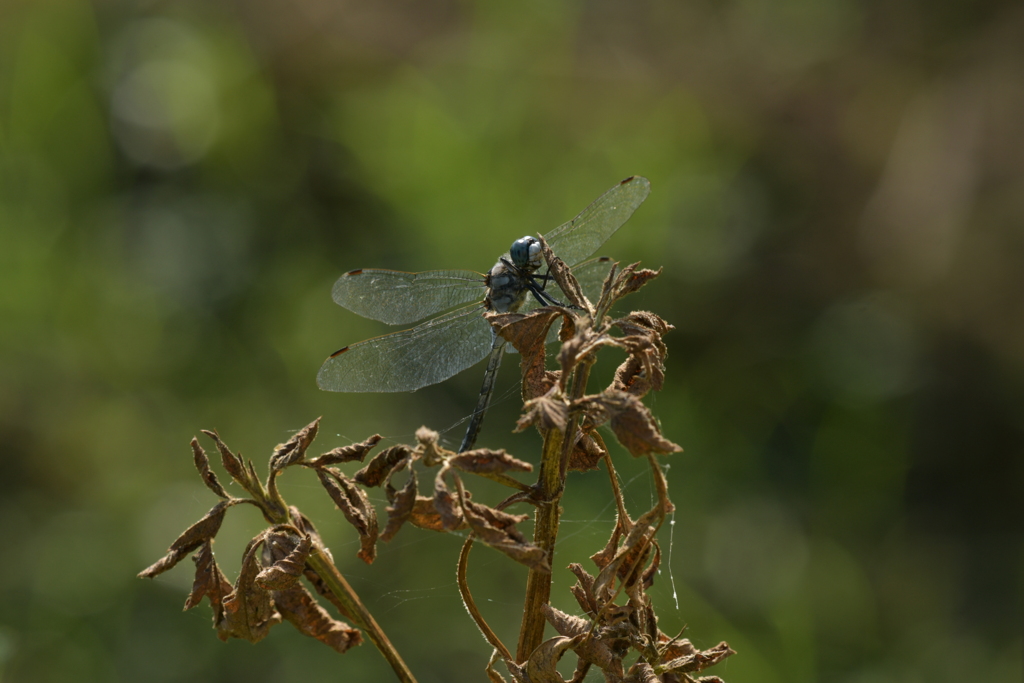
(525,253)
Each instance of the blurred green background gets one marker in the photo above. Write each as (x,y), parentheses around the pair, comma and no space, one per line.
(838,203)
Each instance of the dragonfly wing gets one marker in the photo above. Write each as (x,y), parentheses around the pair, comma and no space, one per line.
(591,275)
(582,236)
(398,298)
(410,359)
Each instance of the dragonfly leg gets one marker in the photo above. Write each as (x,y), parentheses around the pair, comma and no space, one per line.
(543,297)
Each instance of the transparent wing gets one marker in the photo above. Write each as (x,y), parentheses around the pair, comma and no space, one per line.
(583,235)
(410,359)
(398,298)
(591,275)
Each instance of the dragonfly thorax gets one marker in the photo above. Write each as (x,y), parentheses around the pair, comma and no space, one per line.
(508,280)
(506,288)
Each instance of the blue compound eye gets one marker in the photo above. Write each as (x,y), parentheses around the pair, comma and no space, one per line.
(523,251)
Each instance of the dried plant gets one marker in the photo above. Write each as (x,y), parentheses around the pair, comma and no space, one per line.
(617,615)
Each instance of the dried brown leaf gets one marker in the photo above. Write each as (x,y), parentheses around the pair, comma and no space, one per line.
(647,578)
(546,412)
(294,450)
(580,674)
(497,529)
(641,672)
(590,649)
(632,554)
(631,280)
(674,648)
(565,624)
(563,277)
(425,516)
(209,582)
(286,571)
(492,675)
(377,470)
(356,507)
(633,424)
(356,451)
(486,461)
(699,661)
(643,323)
(202,531)
(581,345)
(583,589)
(306,527)
(248,610)
(541,666)
(528,333)
(428,447)
(233,464)
(445,503)
(299,608)
(202,462)
(634,377)
(586,454)
(401,508)
(605,555)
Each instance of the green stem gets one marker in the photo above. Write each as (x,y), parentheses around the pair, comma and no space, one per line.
(349,603)
(558,446)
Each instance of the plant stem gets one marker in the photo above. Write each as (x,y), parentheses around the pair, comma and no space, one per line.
(558,446)
(353,607)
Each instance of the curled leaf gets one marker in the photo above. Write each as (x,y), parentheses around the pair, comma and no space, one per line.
(644,369)
(605,555)
(673,648)
(492,675)
(643,322)
(209,582)
(430,451)
(483,460)
(425,515)
(445,503)
(577,348)
(540,668)
(299,608)
(196,535)
(546,412)
(284,572)
(632,554)
(528,333)
(700,660)
(376,471)
(583,589)
(306,528)
(592,649)
(642,672)
(401,508)
(497,529)
(647,578)
(356,451)
(566,281)
(233,464)
(294,450)
(356,507)
(633,424)
(585,454)
(202,462)
(631,279)
(248,610)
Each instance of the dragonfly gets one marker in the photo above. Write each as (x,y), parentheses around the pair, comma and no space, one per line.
(458,336)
